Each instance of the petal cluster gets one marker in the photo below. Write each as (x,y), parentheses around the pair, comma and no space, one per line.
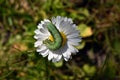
(64,25)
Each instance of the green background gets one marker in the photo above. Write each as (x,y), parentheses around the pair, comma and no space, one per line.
(99,52)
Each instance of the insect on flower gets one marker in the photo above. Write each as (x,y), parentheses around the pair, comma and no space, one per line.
(57,38)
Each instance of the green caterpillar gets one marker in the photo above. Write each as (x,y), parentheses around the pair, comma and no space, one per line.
(57,38)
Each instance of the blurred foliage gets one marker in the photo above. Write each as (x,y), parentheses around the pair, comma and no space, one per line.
(99,54)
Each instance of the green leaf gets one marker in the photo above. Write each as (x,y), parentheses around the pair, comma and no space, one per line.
(84,11)
(81,46)
(85,30)
(90,70)
(58,64)
(116,45)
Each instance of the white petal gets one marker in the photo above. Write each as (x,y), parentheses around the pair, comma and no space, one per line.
(74,26)
(66,56)
(63,25)
(37,31)
(63,49)
(44,30)
(75,39)
(41,37)
(70,20)
(41,48)
(53,20)
(72,35)
(66,59)
(38,43)
(55,55)
(59,57)
(42,22)
(46,20)
(45,53)
(72,49)
(74,42)
(67,28)
(50,56)
(40,26)
(57,21)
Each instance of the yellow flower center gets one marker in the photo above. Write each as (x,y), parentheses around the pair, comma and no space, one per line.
(63,36)
(51,38)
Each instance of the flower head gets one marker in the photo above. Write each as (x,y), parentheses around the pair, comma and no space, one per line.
(57,38)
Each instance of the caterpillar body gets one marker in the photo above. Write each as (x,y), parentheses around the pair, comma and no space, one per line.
(57,38)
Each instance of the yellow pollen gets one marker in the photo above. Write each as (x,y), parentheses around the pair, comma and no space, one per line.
(63,36)
(51,38)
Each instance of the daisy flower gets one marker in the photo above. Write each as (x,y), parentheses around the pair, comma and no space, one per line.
(65,37)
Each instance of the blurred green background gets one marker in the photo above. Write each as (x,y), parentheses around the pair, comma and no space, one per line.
(99,52)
